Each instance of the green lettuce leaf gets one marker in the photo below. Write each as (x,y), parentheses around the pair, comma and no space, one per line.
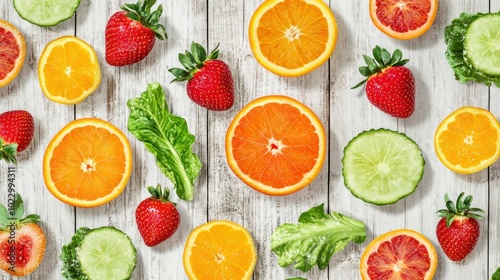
(71,268)
(496,275)
(315,238)
(167,137)
(454,36)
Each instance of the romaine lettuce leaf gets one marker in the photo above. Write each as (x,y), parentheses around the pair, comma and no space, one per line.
(71,268)
(454,36)
(167,137)
(315,238)
(496,275)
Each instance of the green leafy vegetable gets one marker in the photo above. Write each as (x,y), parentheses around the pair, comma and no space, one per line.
(455,37)
(71,265)
(315,238)
(496,275)
(167,137)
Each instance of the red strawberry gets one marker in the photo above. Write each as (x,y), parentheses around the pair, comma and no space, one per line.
(390,86)
(130,34)
(458,230)
(16,131)
(210,83)
(157,218)
(22,241)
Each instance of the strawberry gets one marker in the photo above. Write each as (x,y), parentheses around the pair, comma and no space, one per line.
(390,86)
(130,34)
(458,230)
(16,132)
(210,83)
(157,218)
(22,241)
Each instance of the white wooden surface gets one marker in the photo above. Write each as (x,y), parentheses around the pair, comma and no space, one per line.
(219,194)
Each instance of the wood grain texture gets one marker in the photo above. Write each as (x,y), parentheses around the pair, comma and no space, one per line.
(219,193)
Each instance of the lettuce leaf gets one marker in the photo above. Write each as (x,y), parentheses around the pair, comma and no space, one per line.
(315,238)
(71,268)
(167,137)
(454,37)
(496,275)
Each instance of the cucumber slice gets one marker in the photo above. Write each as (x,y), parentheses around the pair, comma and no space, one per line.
(46,12)
(482,44)
(382,166)
(107,253)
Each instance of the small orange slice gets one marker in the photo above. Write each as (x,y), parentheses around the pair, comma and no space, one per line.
(68,70)
(219,250)
(87,163)
(403,19)
(399,254)
(12,52)
(276,145)
(292,37)
(468,140)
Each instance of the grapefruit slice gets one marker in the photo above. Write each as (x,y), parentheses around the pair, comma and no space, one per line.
(403,19)
(12,52)
(276,145)
(399,254)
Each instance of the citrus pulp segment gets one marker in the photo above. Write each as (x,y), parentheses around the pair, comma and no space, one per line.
(276,145)
(87,163)
(68,70)
(219,250)
(403,19)
(46,12)
(292,37)
(107,253)
(482,44)
(468,140)
(399,254)
(382,166)
(12,52)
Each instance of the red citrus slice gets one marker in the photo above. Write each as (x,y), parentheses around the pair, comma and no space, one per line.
(399,254)
(12,52)
(403,19)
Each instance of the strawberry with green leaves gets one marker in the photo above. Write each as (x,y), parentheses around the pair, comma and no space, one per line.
(390,86)
(157,218)
(458,229)
(209,80)
(22,241)
(131,34)
(16,132)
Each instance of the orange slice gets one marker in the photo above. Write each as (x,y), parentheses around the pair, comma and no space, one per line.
(68,70)
(276,145)
(292,37)
(403,19)
(468,140)
(399,254)
(219,250)
(12,52)
(87,163)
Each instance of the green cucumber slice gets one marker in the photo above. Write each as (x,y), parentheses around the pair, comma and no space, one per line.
(382,166)
(107,253)
(482,44)
(46,12)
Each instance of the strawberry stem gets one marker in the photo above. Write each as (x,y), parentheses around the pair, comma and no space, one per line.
(8,152)
(141,12)
(192,61)
(459,209)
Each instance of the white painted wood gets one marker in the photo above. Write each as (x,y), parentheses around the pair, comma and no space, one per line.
(220,194)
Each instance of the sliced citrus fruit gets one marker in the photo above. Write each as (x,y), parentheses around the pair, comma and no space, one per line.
(399,254)
(276,145)
(382,166)
(87,163)
(292,37)
(403,19)
(468,140)
(12,52)
(219,250)
(46,12)
(68,70)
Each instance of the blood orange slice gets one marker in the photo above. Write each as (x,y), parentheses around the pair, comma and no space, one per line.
(276,145)
(403,19)
(399,254)
(12,52)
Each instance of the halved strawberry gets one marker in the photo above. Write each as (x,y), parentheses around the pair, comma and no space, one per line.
(22,241)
